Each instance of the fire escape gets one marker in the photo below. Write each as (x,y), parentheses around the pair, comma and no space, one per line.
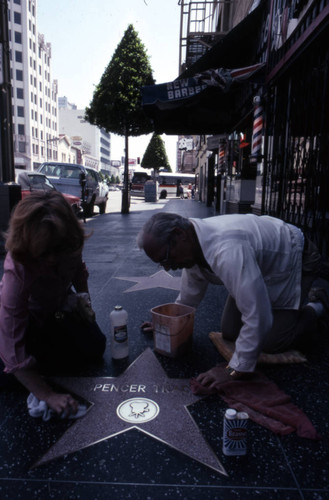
(202,25)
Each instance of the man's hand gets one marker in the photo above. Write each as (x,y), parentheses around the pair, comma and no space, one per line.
(62,403)
(146,327)
(214,377)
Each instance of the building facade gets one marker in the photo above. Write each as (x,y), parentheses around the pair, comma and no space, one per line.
(34,93)
(186,154)
(259,99)
(274,156)
(203,25)
(63,103)
(95,142)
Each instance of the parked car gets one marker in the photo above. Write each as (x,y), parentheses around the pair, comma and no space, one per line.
(103,190)
(78,180)
(34,181)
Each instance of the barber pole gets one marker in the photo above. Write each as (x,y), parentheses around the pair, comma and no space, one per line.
(257,133)
(221,157)
(235,432)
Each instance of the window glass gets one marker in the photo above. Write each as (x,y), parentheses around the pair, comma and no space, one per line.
(18,56)
(18,37)
(92,174)
(17,18)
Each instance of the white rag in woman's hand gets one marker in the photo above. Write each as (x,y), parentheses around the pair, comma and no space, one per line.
(37,409)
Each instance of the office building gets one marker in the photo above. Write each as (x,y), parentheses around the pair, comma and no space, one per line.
(34,93)
(95,141)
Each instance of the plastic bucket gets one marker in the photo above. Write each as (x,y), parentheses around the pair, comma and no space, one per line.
(172,329)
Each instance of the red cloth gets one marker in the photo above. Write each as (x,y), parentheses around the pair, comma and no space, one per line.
(264,402)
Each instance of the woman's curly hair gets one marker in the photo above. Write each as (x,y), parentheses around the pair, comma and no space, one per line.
(43,224)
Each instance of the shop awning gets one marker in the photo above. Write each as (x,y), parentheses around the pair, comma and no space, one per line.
(202,104)
(191,104)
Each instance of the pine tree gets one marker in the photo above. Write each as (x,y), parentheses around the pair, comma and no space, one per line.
(155,155)
(117,103)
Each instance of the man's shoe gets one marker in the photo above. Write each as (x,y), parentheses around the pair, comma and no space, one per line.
(319,295)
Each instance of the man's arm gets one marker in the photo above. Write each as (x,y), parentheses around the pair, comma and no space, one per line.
(193,287)
(237,267)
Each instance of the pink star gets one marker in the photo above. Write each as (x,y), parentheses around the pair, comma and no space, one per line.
(161,279)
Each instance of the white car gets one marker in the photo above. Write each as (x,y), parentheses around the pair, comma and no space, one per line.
(78,180)
(103,190)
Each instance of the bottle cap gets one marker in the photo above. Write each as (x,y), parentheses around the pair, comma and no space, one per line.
(118,308)
(243,415)
(230,413)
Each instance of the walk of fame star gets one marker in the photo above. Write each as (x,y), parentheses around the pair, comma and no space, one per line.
(161,279)
(143,397)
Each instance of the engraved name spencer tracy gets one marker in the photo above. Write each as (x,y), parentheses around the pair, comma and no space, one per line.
(142,397)
(142,388)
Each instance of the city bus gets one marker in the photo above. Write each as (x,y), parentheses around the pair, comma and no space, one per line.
(169,181)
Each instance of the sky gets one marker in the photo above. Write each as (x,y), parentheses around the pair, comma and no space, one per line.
(84,35)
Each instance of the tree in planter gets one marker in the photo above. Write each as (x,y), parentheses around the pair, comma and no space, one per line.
(155,155)
(117,102)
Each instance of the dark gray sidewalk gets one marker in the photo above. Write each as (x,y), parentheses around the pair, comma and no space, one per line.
(134,464)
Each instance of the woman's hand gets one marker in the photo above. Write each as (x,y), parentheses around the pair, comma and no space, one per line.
(62,403)
(36,384)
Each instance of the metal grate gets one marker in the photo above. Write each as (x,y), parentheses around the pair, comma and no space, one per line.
(296,180)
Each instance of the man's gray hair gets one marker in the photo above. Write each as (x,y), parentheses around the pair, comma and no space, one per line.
(161,226)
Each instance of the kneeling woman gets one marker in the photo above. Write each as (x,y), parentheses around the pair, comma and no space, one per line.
(38,334)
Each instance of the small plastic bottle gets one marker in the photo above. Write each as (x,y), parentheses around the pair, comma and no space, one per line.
(119,333)
(235,432)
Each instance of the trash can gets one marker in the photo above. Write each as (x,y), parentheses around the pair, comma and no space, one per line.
(151,191)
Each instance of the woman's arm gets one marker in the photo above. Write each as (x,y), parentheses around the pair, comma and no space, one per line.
(33,382)
(80,280)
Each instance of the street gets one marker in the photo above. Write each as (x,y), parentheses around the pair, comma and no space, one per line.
(136,203)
